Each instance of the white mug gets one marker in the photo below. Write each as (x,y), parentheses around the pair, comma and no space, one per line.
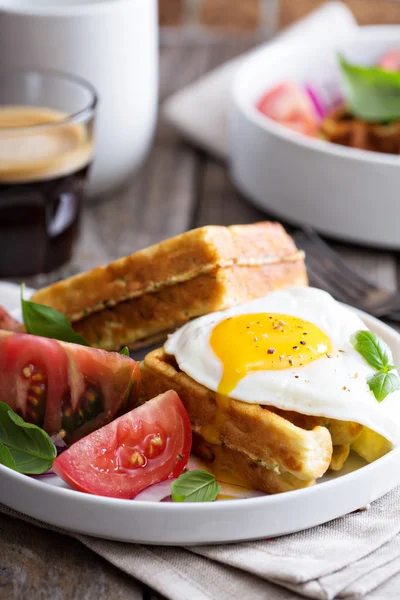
(113,44)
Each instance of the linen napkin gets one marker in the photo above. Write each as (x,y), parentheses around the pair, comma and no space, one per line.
(208,127)
(355,556)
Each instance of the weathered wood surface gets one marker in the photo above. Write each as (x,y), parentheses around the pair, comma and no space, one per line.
(178,188)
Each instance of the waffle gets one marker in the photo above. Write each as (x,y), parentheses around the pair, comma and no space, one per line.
(149,318)
(259,434)
(179,259)
(138,300)
(342,128)
(237,468)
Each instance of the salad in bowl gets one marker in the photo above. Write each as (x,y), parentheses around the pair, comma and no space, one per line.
(314,134)
(362,110)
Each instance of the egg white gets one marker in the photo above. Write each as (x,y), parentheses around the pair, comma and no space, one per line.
(333,387)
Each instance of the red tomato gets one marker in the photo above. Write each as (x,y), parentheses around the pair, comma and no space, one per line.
(147,445)
(390,61)
(65,387)
(302,127)
(8,323)
(287,103)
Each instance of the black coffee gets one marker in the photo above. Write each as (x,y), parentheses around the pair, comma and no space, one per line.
(42,176)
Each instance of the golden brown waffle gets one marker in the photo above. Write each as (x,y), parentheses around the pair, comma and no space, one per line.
(150,317)
(177,260)
(235,467)
(265,437)
(138,300)
(339,127)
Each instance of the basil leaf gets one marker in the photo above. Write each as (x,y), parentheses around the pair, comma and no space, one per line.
(124,351)
(30,447)
(372,93)
(383,384)
(195,486)
(6,458)
(47,322)
(373,349)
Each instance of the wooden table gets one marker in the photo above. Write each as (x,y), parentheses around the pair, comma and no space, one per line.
(178,188)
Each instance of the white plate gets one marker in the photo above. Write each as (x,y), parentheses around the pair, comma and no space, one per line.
(50,501)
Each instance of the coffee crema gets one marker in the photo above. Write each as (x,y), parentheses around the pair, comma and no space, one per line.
(38,143)
(44,160)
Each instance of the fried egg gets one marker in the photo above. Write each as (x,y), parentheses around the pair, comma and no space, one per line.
(290,349)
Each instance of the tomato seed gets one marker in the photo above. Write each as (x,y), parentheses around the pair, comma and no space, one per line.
(137,460)
(38,377)
(26,371)
(36,389)
(33,400)
(156,446)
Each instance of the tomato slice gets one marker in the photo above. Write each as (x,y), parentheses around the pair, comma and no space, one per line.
(302,127)
(287,102)
(147,445)
(65,387)
(289,105)
(8,323)
(390,61)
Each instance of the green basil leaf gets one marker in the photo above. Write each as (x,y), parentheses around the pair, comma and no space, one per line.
(195,486)
(373,349)
(30,447)
(124,351)
(372,93)
(383,384)
(47,322)
(6,458)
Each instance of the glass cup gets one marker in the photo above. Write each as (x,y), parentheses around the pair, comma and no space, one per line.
(46,148)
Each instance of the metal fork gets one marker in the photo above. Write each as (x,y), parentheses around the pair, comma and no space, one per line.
(328,271)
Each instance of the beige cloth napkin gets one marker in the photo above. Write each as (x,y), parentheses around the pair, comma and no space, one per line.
(208,127)
(347,558)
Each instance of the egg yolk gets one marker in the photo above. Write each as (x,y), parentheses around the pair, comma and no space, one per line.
(265,342)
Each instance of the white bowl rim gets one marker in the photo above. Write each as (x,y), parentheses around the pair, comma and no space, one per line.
(379,33)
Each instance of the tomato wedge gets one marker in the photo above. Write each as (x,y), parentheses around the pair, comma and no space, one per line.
(8,323)
(289,105)
(65,387)
(390,61)
(147,445)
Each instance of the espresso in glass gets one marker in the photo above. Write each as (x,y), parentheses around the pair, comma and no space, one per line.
(45,155)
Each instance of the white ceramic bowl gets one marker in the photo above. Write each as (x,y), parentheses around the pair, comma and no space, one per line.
(344,192)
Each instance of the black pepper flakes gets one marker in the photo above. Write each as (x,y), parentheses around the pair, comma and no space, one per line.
(302,342)
(271,351)
(295,347)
